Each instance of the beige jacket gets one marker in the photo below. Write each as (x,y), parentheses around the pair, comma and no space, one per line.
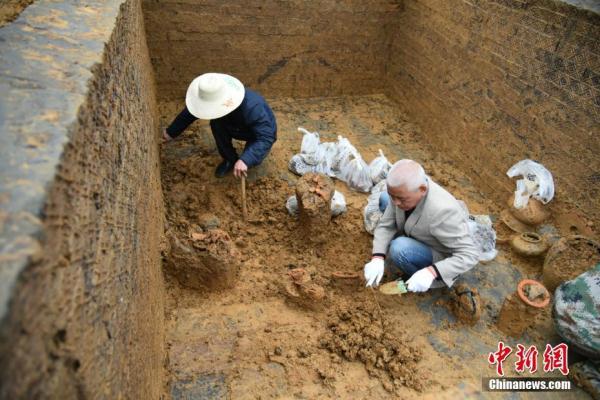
(439,222)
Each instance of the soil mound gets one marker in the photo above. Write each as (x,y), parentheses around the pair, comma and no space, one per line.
(568,258)
(358,335)
(204,260)
(314,192)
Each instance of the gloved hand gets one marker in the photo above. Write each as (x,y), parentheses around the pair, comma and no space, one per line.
(420,281)
(374,271)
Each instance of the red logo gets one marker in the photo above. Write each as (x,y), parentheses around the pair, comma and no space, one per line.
(526,358)
(499,356)
(555,358)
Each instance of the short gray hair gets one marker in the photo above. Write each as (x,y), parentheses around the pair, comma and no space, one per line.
(406,172)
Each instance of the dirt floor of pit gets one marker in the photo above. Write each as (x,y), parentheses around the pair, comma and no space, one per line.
(252,342)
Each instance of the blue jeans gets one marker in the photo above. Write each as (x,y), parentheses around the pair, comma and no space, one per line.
(406,253)
(409,255)
(384,200)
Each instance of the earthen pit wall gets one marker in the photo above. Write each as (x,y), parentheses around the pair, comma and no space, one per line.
(86,313)
(492,82)
(280,47)
(10,9)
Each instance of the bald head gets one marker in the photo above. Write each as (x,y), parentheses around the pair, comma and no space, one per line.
(406,173)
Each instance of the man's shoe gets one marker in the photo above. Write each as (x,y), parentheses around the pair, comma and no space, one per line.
(224,168)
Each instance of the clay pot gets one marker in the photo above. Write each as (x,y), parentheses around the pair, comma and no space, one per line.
(533,293)
(568,258)
(513,223)
(312,291)
(299,289)
(533,213)
(345,280)
(529,244)
(503,232)
(521,308)
(299,275)
(465,308)
(309,296)
(345,276)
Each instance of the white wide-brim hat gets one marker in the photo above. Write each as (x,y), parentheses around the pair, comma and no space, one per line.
(213,95)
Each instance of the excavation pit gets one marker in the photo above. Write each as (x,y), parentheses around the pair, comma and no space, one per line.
(129,270)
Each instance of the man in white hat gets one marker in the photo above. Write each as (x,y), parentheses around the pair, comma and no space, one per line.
(423,230)
(234,113)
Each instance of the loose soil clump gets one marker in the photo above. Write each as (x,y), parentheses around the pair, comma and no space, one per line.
(357,334)
(569,258)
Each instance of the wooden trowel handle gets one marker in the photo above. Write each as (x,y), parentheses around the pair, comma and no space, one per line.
(244,207)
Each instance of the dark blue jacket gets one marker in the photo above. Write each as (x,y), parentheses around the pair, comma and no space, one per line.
(252,121)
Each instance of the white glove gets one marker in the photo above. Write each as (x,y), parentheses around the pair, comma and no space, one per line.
(420,281)
(374,272)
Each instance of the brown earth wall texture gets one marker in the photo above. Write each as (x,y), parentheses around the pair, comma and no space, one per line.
(492,82)
(282,48)
(10,9)
(86,320)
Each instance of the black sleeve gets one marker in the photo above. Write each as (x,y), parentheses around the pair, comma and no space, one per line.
(180,123)
(439,276)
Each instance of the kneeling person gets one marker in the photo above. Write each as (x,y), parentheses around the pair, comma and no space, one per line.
(423,230)
(234,112)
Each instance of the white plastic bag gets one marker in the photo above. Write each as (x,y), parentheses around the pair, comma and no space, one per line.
(343,155)
(482,232)
(378,188)
(300,164)
(324,156)
(356,174)
(484,236)
(379,167)
(338,204)
(371,213)
(537,182)
(292,205)
(310,141)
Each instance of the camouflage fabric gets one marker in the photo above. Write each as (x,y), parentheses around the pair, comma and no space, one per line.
(577,312)
(586,374)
